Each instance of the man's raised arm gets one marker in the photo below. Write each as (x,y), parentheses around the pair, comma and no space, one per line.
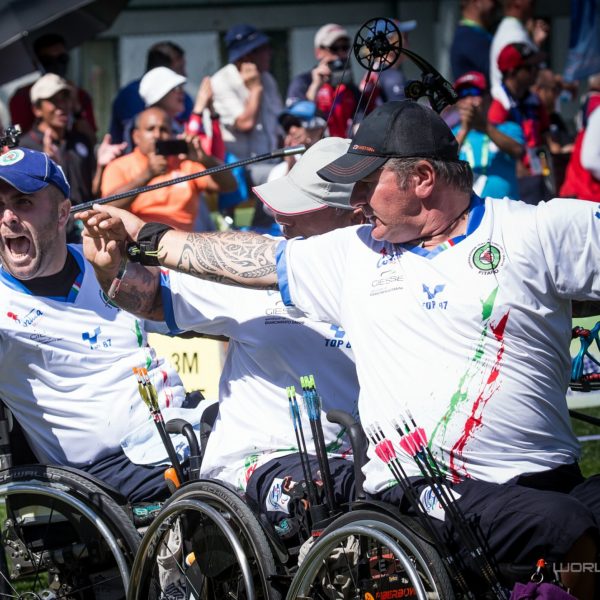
(133,287)
(235,257)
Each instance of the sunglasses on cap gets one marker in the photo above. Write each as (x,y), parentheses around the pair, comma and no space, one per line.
(464,92)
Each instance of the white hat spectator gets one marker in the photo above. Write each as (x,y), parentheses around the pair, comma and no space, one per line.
(157,83)
(47,86)
(329,34)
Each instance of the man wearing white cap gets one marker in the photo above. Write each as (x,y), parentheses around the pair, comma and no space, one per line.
(163,87)
(270,346)
(52,104)
(319,85)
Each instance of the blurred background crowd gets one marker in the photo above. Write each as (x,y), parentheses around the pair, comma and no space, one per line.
(124,94)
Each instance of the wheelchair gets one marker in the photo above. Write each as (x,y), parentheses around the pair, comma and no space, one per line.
(211,539)
(208,538)
(370,552)
(373,552)
(220,548)
(64,534)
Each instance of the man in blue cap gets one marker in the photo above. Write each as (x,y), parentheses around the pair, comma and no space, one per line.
(247,99)
(67,352)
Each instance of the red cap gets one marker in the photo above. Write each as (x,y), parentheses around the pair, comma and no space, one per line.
(517,55)
(471,79)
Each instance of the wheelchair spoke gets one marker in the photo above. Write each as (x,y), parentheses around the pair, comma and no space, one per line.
(62,537)
(41,554)
(224,554)
(7,580)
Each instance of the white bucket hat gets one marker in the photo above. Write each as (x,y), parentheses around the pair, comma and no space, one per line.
(157,83)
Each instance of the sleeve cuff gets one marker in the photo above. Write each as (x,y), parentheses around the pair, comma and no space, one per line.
(282,278)
(167,300)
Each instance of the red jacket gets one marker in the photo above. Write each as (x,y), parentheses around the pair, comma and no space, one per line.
(579,182)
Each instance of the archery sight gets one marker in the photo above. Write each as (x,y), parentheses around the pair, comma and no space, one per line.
(378,45)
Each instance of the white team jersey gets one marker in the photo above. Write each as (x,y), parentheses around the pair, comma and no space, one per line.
(270,347)
(472,337)
(66,369)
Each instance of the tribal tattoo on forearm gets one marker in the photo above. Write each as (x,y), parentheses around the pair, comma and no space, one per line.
(234,257)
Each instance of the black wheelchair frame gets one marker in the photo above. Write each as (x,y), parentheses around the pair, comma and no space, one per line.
(64,533)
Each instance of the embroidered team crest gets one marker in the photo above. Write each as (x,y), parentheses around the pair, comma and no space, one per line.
(11,157)
(487,257)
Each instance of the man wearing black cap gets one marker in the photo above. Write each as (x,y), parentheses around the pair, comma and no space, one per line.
(459,311)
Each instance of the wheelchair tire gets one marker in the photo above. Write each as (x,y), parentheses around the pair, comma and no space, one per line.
(62,537)
(366,554)
(231,555)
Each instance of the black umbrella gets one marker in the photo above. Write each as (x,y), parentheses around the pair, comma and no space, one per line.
(23,21)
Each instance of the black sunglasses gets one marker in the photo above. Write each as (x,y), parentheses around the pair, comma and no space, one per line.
(340,48)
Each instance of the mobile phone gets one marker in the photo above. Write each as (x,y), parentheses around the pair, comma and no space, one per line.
(171,147)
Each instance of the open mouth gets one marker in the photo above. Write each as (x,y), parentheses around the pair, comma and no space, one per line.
(18,246)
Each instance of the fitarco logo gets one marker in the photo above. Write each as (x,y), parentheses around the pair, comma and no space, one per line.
(487,257)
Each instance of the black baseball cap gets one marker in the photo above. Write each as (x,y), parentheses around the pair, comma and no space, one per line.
(400,129)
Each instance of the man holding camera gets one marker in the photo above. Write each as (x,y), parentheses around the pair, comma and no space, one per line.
(156,159)
(332,46)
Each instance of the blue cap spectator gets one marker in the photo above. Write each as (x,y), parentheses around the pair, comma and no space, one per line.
(243,39)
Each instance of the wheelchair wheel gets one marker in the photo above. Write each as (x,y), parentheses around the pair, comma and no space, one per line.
(368,555)
(206,544)
(62,537)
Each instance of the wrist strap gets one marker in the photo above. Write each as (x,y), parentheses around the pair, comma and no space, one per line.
(145,250)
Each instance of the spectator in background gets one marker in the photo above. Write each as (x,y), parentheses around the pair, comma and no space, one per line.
(514,101)
(548,87)
(582,179)
(391,82)
(163,88)
(513,29)
(470,50)
(128,101)
(51,53)
(52,105)
(324,82)
(246,97)
(491,151)
(175,205)
(302,124)
(590,101)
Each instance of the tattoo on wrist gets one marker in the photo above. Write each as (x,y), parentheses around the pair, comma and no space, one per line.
(139,292)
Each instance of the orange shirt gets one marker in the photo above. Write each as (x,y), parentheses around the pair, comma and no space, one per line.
(175,205)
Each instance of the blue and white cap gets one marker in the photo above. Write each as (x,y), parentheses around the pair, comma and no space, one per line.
(30,171)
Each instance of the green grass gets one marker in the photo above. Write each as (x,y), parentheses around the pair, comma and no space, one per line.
(590,456)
